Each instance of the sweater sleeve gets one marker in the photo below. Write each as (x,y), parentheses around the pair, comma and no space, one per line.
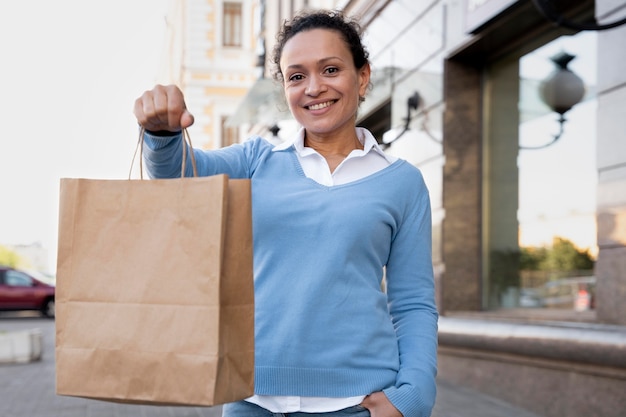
(163,157)
(411,297)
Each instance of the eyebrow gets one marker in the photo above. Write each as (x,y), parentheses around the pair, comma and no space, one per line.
(321,61)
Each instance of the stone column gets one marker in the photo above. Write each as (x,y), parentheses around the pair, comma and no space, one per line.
(611,154)
(461,229)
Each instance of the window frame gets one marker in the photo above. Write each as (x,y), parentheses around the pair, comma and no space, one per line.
(232,24)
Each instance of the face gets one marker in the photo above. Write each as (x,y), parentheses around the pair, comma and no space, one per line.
(321,83)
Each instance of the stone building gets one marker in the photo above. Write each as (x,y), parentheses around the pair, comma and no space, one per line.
(211,54)
(460,90)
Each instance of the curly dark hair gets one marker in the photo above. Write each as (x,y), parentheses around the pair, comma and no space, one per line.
(349,29)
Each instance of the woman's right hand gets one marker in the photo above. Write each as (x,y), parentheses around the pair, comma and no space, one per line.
(163,108)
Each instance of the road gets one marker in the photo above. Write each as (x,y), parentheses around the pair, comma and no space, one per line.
(28,390)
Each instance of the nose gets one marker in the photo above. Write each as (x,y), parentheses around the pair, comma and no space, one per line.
(315,86)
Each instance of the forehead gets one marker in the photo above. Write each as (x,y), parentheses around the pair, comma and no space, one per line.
(314,44)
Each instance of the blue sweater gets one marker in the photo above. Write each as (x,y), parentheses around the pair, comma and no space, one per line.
(323,326)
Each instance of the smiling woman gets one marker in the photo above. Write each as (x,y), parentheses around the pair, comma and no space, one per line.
(332,215)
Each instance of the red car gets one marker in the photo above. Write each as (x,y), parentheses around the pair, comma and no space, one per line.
(20,290)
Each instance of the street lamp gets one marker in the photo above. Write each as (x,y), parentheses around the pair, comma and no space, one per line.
(412,103)
(561,91)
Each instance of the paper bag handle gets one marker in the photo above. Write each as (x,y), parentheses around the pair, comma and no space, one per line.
(186,145)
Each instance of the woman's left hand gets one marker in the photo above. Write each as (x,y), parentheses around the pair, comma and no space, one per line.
(379,406)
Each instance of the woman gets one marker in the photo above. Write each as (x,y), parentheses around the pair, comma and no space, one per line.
(332,214)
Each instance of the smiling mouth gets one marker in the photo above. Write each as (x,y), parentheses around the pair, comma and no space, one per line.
(320,106)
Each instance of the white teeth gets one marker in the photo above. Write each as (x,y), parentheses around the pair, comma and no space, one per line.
(320,105)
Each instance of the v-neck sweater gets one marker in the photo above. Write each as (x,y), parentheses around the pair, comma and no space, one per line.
(323,325)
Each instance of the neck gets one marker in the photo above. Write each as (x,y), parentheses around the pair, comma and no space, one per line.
(335,145)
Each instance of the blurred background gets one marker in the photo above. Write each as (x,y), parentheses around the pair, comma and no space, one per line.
(513,110)
(71,71)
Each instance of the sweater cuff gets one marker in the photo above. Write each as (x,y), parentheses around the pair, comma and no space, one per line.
(409,402)
(161,133)
(160,139)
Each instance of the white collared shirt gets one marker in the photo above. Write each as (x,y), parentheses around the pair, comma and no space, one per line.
(358,164)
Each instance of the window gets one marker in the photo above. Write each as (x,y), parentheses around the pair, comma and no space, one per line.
(232,24)
(17,279)
(540,236)
(557,183)
(229,133)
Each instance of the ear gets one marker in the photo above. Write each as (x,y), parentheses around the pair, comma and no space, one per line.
(364,79)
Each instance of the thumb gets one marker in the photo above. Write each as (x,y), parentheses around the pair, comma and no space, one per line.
(186,119)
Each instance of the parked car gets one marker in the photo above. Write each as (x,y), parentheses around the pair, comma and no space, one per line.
(21,290)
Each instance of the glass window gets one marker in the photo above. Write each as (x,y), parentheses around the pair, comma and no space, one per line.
(557,183)
(540,221)
(232,24)
(18,279)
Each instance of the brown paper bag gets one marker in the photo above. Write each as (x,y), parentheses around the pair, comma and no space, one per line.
(154,301)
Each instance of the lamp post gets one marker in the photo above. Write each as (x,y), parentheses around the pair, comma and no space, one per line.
(561,91)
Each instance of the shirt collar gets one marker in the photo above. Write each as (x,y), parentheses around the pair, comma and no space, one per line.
(365,137)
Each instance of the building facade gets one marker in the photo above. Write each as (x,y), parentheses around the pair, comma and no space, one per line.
(211,55)
(459,90)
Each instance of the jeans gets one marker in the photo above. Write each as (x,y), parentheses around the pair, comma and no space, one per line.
(246,409)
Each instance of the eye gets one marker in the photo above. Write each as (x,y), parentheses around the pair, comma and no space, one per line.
(331,70)
(295,77)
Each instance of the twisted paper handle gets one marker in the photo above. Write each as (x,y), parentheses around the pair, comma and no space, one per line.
(186,145)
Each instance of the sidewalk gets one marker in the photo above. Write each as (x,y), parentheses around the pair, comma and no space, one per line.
(457,401)
(27,390)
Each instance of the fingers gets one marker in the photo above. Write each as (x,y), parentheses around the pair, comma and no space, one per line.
(379,406)
(186,119)
(163,108)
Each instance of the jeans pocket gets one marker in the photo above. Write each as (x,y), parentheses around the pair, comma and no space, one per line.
(354,411)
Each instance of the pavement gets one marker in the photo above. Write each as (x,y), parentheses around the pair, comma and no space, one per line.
(28,390)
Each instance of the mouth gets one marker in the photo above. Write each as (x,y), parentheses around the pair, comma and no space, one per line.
(320,106)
